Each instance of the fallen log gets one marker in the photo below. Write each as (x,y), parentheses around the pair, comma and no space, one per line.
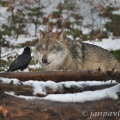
(18,109)
(28,90)
(17,89)
(59,76)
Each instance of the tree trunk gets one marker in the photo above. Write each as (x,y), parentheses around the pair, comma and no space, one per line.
(28,90)
(59,76)
(14,108)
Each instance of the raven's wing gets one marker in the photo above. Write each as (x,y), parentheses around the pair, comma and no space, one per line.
(20,62)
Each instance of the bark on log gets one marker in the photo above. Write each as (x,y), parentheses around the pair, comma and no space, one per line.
(28,90)
(59,76)
(14,108)
(17,89)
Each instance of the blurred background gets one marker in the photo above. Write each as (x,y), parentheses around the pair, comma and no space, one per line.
(87,20)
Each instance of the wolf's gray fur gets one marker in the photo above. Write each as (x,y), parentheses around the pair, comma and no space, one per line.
(56,52)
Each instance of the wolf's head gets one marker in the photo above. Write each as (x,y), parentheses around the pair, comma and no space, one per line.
(50,50)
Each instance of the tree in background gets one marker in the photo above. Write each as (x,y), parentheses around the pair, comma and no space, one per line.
(0,49)
(16,21)
(66,16)
(23,13)
(113,24)
(2,32)
(35,14)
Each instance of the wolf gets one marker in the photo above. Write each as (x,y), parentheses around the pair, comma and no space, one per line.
(56,52)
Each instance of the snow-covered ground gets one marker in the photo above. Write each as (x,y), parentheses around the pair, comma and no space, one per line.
(107,43)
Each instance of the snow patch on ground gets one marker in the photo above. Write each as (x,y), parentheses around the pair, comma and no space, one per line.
(107,43)
(40,87)
(86,96)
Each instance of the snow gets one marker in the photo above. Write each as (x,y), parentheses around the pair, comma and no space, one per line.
(39,87)
(19,40)
(7,80)
(107,43)
(116,12)
(50,7)
(86,96)
(2,13)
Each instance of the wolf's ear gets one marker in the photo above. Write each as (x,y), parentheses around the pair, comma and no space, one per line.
(42,34)
(60,35)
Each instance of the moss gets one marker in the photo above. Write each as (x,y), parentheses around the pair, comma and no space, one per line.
(40,69)
(85,37)
(74,32)
(117,54)
(32,62)
(3,61)
(3,65)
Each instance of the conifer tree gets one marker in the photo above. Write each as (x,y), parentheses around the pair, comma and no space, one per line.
(16,20)
(35,14)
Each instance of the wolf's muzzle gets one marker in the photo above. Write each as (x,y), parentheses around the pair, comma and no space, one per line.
(44,60)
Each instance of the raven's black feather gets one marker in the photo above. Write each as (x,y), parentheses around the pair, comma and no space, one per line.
(22,61)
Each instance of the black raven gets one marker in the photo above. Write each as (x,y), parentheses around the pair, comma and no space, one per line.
(22,61)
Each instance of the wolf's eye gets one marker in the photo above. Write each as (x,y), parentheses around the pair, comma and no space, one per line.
(38,49)
(51,49)
(42,49)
